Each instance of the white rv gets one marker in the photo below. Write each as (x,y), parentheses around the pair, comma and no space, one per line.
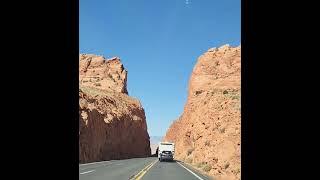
(166,151)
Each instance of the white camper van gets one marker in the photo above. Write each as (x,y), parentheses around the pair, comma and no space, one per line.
(166,151)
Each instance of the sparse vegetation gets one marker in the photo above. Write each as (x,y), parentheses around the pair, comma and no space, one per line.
(109,76)
(198,92)
(237,171)
(200,164)
(214,128)
(207,167)
(97,84)
(226,165)
(222,130)
(95,91)
(189,160)
(193,139)
(235,97)
(232,95)
(190,151)
(207,143)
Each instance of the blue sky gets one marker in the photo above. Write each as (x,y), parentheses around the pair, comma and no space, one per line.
(158,42)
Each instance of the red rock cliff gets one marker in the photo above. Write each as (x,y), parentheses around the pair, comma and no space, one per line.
(96,71)
(112,125)
(207,134)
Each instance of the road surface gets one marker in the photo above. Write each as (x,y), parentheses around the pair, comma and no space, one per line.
(140,169)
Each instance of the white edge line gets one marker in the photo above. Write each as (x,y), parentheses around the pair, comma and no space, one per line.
(104,161)
(87,172)
(94,163)
(190,171)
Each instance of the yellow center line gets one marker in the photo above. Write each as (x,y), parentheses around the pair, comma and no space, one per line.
(144,171)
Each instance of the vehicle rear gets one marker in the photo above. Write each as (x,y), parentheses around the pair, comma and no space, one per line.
(166,151)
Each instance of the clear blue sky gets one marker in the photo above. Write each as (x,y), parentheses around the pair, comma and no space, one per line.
(158,42)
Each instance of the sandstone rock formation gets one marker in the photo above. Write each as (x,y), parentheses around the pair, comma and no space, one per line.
(207,134)
(112,125)
(96,71)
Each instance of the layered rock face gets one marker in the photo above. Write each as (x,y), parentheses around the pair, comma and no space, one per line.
(112,125)
(96,71)
(207,134)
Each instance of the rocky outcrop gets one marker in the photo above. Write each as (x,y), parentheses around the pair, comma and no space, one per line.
(207,134)
(96,71)
(112,125)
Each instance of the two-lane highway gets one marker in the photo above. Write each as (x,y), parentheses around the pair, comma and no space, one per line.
(138,168)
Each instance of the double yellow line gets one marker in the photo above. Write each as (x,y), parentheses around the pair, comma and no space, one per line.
(143,171)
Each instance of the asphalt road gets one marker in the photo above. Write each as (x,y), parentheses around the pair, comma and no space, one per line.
(139,169)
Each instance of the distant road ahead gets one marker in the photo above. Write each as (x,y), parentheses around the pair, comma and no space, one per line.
(138,168)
